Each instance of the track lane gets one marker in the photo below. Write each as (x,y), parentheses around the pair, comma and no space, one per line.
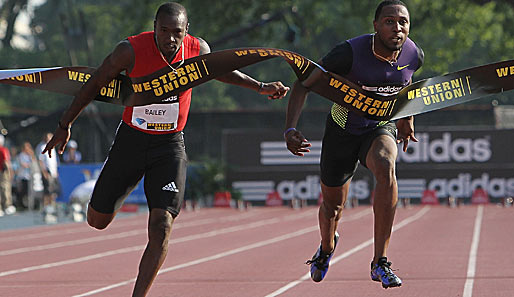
(96,264)
(494,275)
(246,263)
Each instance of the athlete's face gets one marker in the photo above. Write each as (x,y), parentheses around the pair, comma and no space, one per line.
(392,26)
(170,31)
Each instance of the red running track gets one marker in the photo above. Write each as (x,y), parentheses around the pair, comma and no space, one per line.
(438,251)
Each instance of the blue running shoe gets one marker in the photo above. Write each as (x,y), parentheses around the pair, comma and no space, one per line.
(320,260)
(382,272)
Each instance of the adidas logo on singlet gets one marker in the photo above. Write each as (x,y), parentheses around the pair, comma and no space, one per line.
(383,90)
(170,187)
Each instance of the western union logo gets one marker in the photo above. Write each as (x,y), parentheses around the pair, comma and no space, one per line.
(112,90)
(171,81)
(441,92)
(160,126)
(33,78)
(505,71)
(297,60)
(360,101)
(78,76)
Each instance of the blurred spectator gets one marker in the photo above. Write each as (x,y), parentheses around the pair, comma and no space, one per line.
(72,155)
(15,165)
(6,178)
(50,179)
(28,176)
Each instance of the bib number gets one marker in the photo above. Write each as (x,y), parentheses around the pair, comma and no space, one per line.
(156,117)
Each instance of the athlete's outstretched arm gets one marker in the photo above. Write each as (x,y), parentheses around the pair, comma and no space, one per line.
(121,59)
(275,90)
(296,142)
(405,128)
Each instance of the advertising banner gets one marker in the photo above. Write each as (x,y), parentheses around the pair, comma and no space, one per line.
(84,175)
(453,163)
(259,165)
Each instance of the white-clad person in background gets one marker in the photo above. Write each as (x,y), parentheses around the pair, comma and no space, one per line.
(49,170)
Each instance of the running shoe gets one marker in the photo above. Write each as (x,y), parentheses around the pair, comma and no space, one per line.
(382,272)
(10,210)
(320,260)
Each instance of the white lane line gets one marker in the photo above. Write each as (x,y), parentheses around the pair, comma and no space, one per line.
(473,251)
(140,247)
(39,231)
(234,251)
(71,261)
(116,225)
(357,248)
(71,242)
(115,236)
(75,228)
(358,215)
(211,258)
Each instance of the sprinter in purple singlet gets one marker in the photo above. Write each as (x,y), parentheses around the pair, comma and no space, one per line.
(382,62)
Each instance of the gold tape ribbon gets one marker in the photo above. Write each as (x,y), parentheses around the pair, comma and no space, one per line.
(420,97)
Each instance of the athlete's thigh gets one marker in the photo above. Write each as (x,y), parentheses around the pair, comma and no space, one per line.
(339,157)
(120,173)
(379,143)
(335,196)
(165,176)
(382,154)
(116,181)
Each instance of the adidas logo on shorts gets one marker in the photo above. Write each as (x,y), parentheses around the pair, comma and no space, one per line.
(170,187)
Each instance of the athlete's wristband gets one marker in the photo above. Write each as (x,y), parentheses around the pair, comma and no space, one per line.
(288,130)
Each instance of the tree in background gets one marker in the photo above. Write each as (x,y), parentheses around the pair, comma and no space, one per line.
(454,34)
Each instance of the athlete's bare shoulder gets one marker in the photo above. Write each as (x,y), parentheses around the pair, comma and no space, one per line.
(204,46)
(122,57)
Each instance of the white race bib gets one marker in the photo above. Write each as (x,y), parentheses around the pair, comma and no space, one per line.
(156,117)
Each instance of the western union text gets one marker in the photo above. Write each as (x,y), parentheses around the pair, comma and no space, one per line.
(298,60)
(169,81)
(34,78)
(439,92)
(505,71)
(360,101)
(111,90)
(160,126)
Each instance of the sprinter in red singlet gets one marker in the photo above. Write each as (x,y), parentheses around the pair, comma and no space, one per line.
(149,141)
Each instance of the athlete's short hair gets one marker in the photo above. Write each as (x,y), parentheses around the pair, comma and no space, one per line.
(387,3)
(171,8)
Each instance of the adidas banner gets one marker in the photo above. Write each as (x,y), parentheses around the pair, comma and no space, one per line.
(420,97)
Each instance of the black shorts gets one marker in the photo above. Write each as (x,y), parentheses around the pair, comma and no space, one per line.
(342,151)
(161,159)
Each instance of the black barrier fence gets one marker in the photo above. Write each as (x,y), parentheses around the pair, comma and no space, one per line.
(94,130)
